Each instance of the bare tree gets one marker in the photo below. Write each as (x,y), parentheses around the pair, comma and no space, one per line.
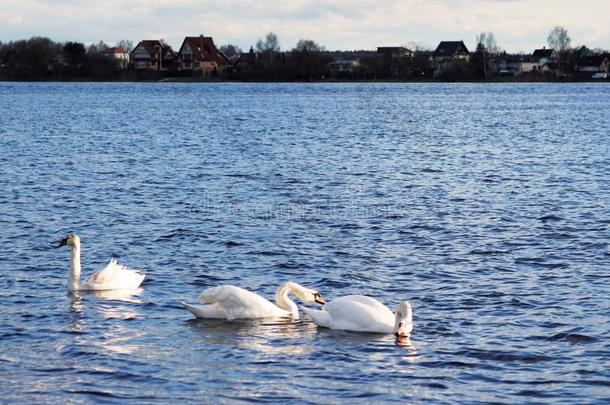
(125,44)
(490,43)
(307,45)
(97,48)
(268,47)
(231,51)
(559,39)
(416,46)
(308,60)
(486,47)
(488,40)
(270,44)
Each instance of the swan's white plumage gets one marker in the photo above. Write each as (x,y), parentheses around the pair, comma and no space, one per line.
(356,313)
(112,277)
(231,302)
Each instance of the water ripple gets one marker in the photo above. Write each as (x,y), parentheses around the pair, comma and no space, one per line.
(490,216)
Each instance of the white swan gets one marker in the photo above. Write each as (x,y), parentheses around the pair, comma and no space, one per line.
(230,302)
(112,277)
(359,313)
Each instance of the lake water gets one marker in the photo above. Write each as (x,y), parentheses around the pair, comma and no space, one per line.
(486,206)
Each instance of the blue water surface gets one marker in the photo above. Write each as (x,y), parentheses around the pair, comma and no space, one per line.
(485,205)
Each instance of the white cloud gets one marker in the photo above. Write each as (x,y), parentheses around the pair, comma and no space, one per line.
(10,19)
(519,25)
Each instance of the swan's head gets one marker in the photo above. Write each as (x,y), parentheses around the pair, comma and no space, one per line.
(304,293)
(403,321)
(71,240)
(314,296)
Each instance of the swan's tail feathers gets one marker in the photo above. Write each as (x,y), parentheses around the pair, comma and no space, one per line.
(116,266)
(193,309)
(130,278)
(139,278)
(201,311)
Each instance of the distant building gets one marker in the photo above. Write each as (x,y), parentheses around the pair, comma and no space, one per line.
(543,53)
(200,54)
(591,62)
(395,51)
(504,64)
(449,55)
(519,64)
(451,50)
(343,68)
(398,58)
(119,54)
(153,55)
(544,59)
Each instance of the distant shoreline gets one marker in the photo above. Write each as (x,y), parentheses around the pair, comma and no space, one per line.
(329,81)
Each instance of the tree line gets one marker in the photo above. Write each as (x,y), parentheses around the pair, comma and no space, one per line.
(40,58)
(310,61)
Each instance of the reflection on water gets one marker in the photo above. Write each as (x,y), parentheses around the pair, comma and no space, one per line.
(76,303)
(118,339)
(119,305)
(126,295)
(266,335)
(411,354)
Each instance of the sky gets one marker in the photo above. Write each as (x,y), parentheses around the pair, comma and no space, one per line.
(518,25)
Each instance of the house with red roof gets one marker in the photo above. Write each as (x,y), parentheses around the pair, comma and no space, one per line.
(153,55)
(199,54)
(119,54)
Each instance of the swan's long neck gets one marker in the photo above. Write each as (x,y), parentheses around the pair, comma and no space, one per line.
(74,281)
(282,300)
(409,317)
(403,319)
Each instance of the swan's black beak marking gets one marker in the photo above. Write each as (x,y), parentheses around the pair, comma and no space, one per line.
(62,242)
(318,298)
(398,334)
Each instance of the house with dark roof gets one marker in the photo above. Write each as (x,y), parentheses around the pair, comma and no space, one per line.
(153,55)
(449,55)
(543,53)
(451,50)
(200,54)
(396,58)
(519,64)
(395,51)
(544,59)
(593,63)
(504,64)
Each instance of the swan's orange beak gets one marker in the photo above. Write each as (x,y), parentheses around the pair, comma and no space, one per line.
(318,298)
(402,340)
(401,332)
